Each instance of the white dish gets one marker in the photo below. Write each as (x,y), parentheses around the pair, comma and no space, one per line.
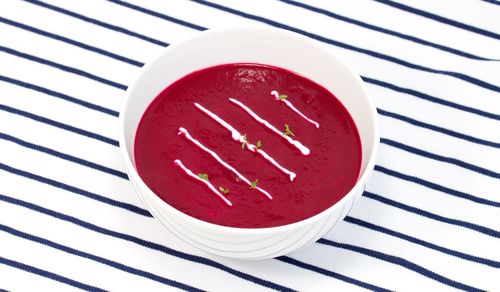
(250,45)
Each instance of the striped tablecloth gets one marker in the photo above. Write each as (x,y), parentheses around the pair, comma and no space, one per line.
(430,216)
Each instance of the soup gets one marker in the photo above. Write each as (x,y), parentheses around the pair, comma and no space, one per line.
(248,145)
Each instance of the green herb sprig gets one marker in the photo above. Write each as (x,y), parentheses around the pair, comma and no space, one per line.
(282,97)
(254,183)
(223,190)
(203,176)
(244,141)
(288,131)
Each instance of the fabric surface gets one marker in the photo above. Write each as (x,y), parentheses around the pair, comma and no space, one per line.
(430,216)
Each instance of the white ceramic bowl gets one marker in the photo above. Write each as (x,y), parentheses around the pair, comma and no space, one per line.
(255,45)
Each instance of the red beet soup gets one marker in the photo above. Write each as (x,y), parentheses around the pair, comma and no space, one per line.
(248,145)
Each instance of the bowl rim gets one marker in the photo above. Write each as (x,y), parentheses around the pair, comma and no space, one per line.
(134,175)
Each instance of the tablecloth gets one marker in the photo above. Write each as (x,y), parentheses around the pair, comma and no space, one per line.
(430,216)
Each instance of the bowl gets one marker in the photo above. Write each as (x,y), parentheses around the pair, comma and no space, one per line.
(250,45)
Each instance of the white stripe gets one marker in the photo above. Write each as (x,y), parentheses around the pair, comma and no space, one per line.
(293,108)
(303,149)
(238,137)
(206,182)
(186,134)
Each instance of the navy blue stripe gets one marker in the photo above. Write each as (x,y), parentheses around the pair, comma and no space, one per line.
(415,240)
(63,156)
(48,275)
(463,224)
(59,95)
(441,158)
(63,67)
(400,262)
(386,31)
(75,190)
(401,62)
(331,274)
(71,42)
(441,19)
(436,187)
(98,259)
(438,129)
(144,243)
(158,15)
(492,1)
(59,125)
(99,23)
(431,98)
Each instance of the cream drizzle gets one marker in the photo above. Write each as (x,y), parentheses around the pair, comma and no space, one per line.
(206,182)
(183,131)
(290,105)
(240,138)
(303,149)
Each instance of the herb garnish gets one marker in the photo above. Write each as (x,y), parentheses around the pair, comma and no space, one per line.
(223,190)
(282,97)
(244,141)
(258,144)
(288,131)
(254,183)
(203,176)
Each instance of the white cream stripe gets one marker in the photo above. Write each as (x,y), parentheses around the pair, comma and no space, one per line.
(293,108)
(240,138)
(206,182)
(303,149)
(183,131)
